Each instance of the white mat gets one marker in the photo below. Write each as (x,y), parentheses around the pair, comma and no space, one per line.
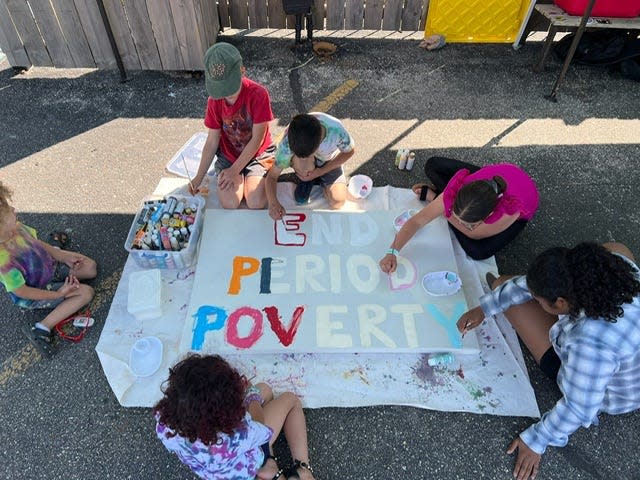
(495,382)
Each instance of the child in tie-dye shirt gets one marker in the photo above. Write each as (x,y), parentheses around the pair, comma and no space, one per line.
(223,428)
(39,276)
(315,145)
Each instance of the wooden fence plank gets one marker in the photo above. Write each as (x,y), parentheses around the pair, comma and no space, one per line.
(318,13)
(335,14)
(373,14)
(51,33)
(223,13)
(239,13)
(258,13)
(211,23)
(29,34)
(392,15)
(188,38)
(423,18)
(72,30)
(411,15)
(142,34)
(164,33)
(122,34)
(96,33)
(10,40)
(200,29)
(277,18)
(354,14)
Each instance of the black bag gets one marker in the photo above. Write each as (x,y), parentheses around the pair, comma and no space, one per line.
(618,49)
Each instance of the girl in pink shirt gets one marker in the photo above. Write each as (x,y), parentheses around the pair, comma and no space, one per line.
(486,207)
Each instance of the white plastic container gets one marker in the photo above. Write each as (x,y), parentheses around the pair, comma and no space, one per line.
(145,356)
(169,259)
(145,294)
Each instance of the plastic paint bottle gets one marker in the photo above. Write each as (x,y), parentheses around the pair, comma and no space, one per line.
(440,359)
(411,160)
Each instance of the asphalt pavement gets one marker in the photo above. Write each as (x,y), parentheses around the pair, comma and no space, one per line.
(81,149)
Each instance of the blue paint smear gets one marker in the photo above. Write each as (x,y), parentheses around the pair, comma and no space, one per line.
(449,324)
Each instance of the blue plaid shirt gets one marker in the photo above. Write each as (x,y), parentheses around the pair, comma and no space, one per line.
(599,371)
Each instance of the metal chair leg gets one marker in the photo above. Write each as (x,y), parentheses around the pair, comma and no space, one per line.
(538,67)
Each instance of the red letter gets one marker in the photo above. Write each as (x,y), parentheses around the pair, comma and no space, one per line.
(285,336)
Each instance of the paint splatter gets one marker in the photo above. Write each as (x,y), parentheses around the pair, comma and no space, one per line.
(460,372)
(425,372)
(358,371)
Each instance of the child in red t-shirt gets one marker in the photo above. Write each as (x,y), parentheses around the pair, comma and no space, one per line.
(238,115)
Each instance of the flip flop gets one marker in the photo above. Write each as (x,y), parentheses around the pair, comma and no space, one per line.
(422,191)
(59,239)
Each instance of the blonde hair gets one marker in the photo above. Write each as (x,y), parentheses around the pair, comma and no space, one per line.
(5,196)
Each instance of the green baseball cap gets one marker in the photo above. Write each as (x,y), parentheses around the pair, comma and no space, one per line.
(222,70)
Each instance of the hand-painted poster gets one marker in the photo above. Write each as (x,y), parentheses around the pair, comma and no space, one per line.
(311,283)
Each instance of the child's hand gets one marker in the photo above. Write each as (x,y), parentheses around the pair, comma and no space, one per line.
(276,211)
(71,284)
(470,320)
(73,260)
(389,263)
(226,179)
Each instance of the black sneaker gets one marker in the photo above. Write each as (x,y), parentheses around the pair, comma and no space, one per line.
(303,192)
(42,340)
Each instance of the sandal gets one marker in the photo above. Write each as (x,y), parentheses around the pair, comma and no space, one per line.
(59,239)
(292,472)
(279,470)
(422,191)
(41,340)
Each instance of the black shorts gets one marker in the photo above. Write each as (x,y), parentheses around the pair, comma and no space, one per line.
(550,364)
(266,451)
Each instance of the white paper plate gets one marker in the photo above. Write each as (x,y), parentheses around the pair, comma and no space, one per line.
(441,283)
(360,186)
(145,357)
(401,219)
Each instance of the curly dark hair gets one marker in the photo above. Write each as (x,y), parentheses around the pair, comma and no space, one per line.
(202,397)
(588,276)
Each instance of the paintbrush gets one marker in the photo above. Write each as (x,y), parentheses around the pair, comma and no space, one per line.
(466,325)
(186,170)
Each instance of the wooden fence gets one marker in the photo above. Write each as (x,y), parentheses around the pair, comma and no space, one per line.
(168,34)
(405,15)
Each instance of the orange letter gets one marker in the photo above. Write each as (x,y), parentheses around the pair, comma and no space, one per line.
(241,266)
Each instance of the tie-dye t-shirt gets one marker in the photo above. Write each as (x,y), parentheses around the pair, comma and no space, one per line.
(23,261)
(234,457)
(336,139)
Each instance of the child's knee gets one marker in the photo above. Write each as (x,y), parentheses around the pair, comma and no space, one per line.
(291,399)
(265,391)
(92,268)
(86,292)
(256,202)
(336,204)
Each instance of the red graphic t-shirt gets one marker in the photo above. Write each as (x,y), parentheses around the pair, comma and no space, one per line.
(236,121)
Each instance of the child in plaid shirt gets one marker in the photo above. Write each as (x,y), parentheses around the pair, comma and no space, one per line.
(578,312)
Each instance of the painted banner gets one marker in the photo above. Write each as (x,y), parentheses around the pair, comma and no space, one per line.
(311,283)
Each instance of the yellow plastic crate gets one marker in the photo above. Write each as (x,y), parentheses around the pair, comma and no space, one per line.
(476,21)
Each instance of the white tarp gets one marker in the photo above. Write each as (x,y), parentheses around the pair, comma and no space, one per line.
(495,381)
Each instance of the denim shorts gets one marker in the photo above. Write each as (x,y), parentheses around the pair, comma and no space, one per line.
(60,273)
(332,176)
(257,167)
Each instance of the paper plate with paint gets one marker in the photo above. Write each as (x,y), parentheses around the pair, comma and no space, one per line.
(441,283)
(145,357)
(360,186)
(401,219)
